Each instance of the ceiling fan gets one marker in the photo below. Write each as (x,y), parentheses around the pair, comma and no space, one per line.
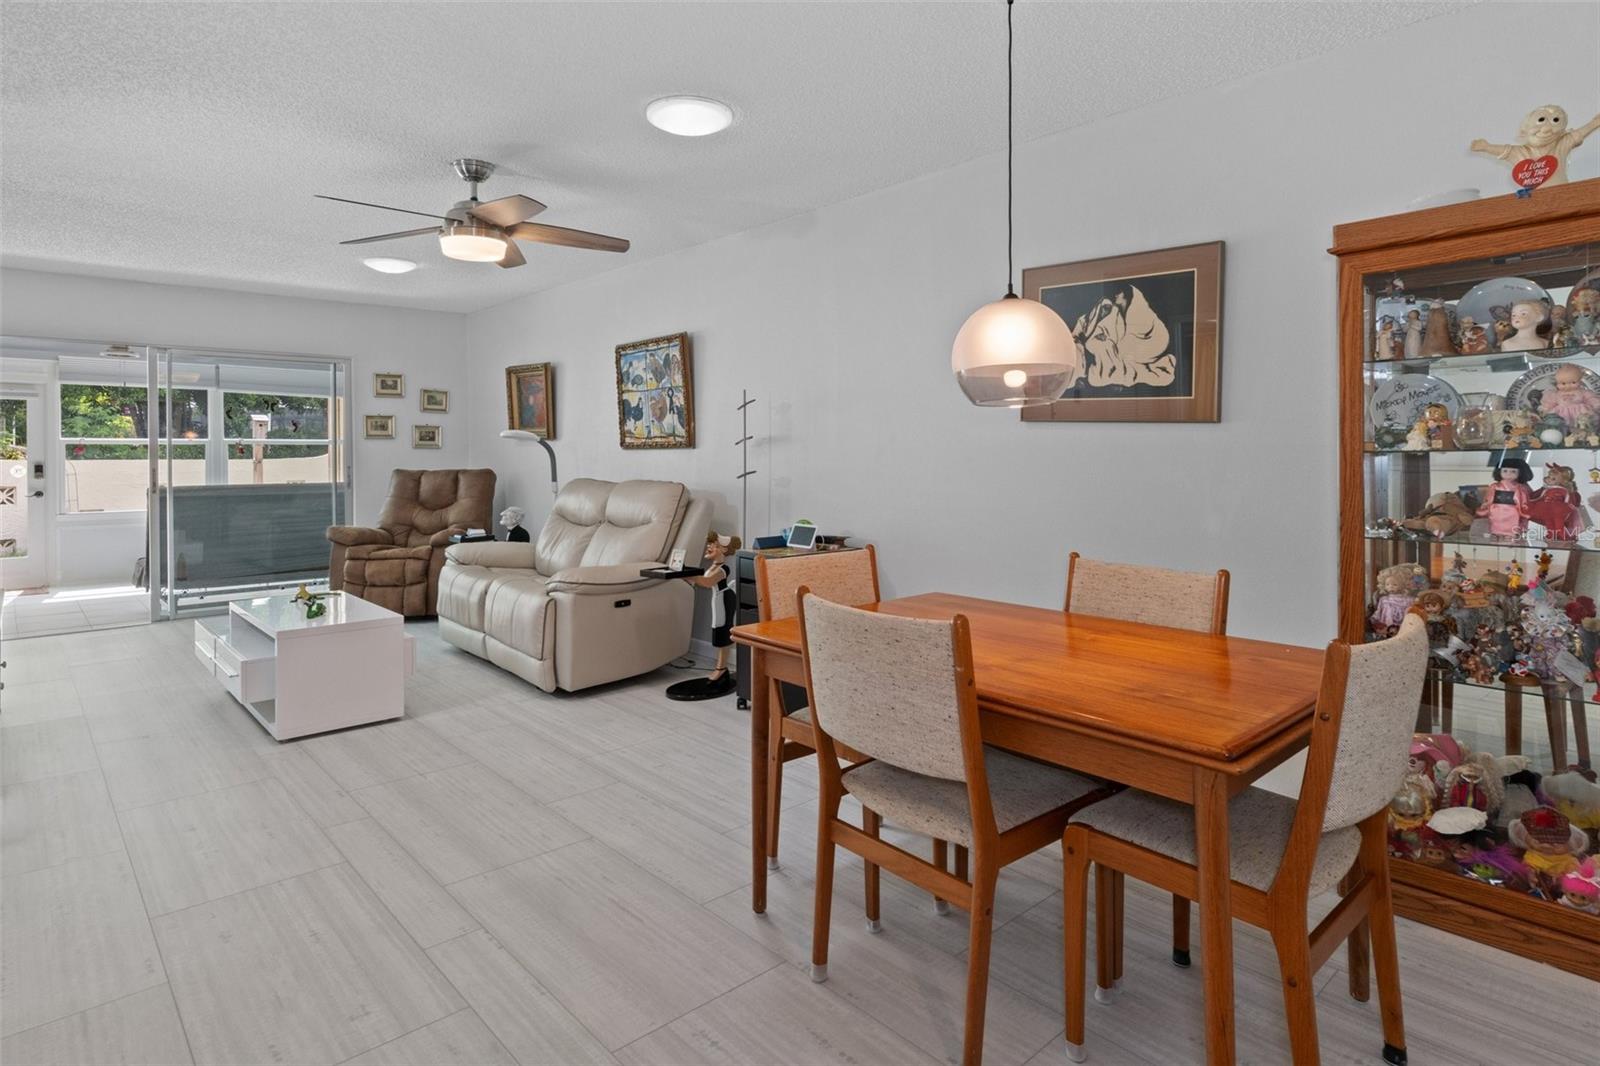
(488,232)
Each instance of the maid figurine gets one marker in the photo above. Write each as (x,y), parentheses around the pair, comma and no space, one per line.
(724,612)
(1506,502)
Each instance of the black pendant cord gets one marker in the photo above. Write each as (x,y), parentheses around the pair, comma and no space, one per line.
(1010,266)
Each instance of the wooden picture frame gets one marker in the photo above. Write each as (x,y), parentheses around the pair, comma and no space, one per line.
(531,399)
(655,393)
(388,385)
(378,427)
(1149,333)
(426,436)
(434,400)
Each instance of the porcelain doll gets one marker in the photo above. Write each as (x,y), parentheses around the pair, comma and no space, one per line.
(1505,504)
(1413,334)
(1544,132)
(1396,594)
(1474,340)
(1383,347)
(1557,506)
(1530,327)
(1569,397)
(1436,339)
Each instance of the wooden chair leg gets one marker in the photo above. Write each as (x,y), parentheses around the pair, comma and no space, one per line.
(1118,895)
(941,859)
(1385,951)
(979,937)
(823,898)
(1513,730)
(1356,947)
(1293,942)
(1105,908)
(1580,725)
(1074,924)
(774,783)
(1555,718)
(871,824)
(1180,932)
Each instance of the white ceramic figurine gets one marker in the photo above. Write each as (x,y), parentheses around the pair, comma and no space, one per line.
(1544,132)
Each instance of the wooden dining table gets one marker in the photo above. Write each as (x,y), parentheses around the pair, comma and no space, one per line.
(1186,715)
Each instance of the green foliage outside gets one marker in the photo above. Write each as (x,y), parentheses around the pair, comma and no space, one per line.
(119,411)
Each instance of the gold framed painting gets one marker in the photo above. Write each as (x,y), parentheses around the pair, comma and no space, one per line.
(655,393)
(531,399)
(427,437)
(434,399)
(388,384)
(379,427)
(1148,328)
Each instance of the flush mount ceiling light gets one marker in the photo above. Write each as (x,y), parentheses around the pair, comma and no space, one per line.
(1013,352)
(689,116)
(390,266)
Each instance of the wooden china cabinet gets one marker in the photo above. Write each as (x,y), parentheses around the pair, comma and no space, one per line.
(1424,508)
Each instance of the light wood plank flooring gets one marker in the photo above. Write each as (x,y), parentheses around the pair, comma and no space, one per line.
(511,877)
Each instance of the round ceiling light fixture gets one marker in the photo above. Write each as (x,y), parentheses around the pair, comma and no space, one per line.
(689,116)
(384,265)
(471,242)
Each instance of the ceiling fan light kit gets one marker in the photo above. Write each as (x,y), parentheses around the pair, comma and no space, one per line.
(689,116)
(1013,352)
(479,232)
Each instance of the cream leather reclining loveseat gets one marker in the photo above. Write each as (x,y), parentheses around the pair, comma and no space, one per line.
(570,610)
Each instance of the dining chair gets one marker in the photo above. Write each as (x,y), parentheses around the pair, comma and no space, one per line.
(1283,851)
(1180,599)
(900,692)
(843,576)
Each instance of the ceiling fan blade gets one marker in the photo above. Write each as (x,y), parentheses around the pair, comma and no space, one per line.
(513,256)
(570,238)
(508,210)
(380,207)
(393,236)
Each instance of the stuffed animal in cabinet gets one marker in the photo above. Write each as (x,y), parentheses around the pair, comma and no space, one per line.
(1444,515)
(1551,845)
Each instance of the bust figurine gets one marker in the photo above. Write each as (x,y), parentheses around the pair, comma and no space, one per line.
(1544,132)
(1529,327)
(511,521)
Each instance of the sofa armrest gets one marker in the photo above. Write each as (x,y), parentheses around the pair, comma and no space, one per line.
(604,580)
(350,535)
(442,538)
(496,553)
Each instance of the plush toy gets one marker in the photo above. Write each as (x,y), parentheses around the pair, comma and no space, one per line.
(1443,515)
(1552,845)
(1506,501)
(1580,889)
(1557,506)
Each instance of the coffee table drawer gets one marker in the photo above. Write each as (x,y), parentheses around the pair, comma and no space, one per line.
(250,674)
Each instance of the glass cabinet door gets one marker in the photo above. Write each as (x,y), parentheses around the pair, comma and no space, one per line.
(1482,500)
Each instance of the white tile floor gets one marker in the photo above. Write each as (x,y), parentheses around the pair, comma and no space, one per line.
(43,612)
(508,876)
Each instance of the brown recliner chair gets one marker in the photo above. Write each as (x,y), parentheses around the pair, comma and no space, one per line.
(397,564)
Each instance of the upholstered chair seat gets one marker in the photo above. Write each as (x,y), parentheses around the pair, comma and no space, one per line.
(396,564)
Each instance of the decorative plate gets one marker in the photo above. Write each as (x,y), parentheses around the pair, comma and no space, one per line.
(1492,299)
(1399,400)
(1520,397)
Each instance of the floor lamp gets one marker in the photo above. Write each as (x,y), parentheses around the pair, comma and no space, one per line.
(522,434)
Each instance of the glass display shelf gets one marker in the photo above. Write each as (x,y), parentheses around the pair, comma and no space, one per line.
(1498,362)
(1483,540)
(1528,451)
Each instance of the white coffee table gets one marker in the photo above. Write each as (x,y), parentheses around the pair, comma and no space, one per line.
(300,675)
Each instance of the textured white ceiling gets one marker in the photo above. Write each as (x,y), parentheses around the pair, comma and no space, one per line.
(183,142)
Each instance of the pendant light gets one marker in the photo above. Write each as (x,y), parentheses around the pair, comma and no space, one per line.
(1013,352)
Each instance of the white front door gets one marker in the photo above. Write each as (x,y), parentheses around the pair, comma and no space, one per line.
(24,506)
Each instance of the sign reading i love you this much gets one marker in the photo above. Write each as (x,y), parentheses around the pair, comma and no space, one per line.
(1532,173)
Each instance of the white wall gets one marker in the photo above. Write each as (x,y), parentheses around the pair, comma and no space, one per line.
(426,346)
(840,322)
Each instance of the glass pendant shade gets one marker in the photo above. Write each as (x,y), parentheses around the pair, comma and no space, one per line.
(1014,353)
(474,244)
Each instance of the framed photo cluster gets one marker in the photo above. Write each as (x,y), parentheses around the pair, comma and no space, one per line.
(382,427)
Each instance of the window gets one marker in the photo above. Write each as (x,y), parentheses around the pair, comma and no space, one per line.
(104,432)
(257,428)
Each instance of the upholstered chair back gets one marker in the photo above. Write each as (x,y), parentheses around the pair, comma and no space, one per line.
(604,523)
(421,503)
(886,686)
(843,577)
(1148,594)
(1380,711)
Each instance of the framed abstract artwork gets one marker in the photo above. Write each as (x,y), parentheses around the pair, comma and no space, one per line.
(1149,333)
(388,384)
(531,399)
(655,393)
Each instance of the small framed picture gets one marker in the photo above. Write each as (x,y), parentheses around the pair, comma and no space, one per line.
(675,560)
(380,427)
(388,384)
(427,437)
(435,399)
